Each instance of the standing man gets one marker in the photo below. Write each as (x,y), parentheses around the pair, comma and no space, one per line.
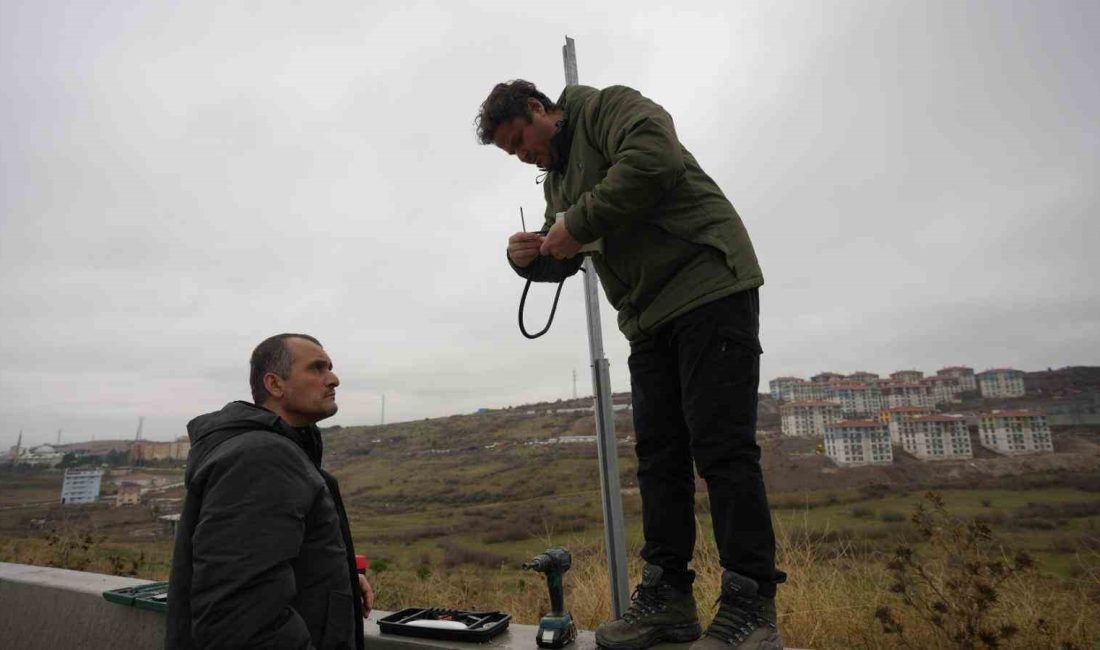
(263,554)
(678,266)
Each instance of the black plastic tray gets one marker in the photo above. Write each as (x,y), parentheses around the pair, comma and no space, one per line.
(153,596)
(483,625)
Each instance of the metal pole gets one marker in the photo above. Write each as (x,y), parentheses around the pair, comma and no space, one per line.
(610,491)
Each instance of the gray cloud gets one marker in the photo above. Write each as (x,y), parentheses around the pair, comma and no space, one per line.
(178,182)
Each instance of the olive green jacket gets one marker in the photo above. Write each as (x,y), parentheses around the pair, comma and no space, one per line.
(671,240)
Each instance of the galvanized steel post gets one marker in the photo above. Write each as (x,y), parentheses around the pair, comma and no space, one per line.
(610,491)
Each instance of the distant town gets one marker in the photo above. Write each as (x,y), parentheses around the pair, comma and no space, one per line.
(861,417)
(856,419)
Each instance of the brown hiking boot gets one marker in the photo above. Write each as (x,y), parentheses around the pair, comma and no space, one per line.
(745,619)
(658,612)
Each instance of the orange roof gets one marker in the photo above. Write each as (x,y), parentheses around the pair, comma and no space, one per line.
(939,418)
(788,379)
(992,370)
(855,424)
(810,402)
(906,409)
(955,368)
(1018,413)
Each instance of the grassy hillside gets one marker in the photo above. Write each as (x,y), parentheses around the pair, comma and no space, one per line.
(448,508)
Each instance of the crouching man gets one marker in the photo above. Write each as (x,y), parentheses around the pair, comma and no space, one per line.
(263,554)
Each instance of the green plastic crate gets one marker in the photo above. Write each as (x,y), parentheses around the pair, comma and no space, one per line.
(153,596)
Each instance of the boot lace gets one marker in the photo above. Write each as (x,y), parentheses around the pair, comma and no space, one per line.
(645,601)
(736,619)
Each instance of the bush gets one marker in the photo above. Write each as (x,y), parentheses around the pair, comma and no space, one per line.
(954,589)
(379,565)
(860,512)
(892,517)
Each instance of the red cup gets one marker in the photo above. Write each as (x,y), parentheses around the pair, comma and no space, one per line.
(361,564)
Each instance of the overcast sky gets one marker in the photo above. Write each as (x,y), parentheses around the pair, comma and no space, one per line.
(179,180)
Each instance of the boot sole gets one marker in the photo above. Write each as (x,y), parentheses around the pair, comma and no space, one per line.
(671,634)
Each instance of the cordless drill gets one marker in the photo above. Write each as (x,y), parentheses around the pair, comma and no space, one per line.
(556,629)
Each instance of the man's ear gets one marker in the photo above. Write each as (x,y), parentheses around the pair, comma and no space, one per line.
(274,385)
(535,106)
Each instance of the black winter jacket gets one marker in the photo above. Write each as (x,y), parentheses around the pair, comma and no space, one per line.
(263,555)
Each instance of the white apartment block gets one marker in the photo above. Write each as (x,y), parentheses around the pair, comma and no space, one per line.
(906,394)
(81,485)
(855,399)
(782,388)
(967,380)
(894,416)
(943,390)
(808,419)
(1015,432)
(1001,382)
(936,437)
(826,377)
(858,442)
(864,377)
(906,376)
(796,389)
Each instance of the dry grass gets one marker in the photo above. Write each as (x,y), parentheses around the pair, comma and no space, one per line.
(829,600)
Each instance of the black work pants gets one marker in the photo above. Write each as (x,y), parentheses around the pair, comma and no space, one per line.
(694,389)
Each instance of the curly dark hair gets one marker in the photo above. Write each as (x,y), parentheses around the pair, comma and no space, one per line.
(507,102)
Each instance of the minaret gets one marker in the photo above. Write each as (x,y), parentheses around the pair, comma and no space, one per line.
(141,423)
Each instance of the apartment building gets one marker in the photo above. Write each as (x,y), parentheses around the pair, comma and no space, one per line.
(858,442)
(906,376)
(1001,382)
(143,451)
(826,377)
(796,389)
(864,377)
(906,394)
(855,400)
(943,390)
(967,380)
(81,485)
(1015,432)
(936,437)
(808,419)
(894,416)
(782,388)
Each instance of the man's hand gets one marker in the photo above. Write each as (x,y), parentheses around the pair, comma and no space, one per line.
(559,243)
(368,594)
(523,248)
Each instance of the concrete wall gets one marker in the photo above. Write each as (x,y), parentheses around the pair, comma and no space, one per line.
(44,608)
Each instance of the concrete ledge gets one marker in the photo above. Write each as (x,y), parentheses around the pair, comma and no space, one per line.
(49,608)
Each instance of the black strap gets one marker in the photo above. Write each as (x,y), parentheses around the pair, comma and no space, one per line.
(549,321)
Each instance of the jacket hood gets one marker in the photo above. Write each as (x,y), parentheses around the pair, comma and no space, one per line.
(239,417)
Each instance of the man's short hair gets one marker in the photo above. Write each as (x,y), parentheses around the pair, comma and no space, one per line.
(271,356)
(507,102)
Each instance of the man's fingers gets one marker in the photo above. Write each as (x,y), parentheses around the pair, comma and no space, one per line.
(524,237)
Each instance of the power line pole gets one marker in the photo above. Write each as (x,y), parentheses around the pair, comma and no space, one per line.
(610,491)
(574,383)
(141,424)
(383,420)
